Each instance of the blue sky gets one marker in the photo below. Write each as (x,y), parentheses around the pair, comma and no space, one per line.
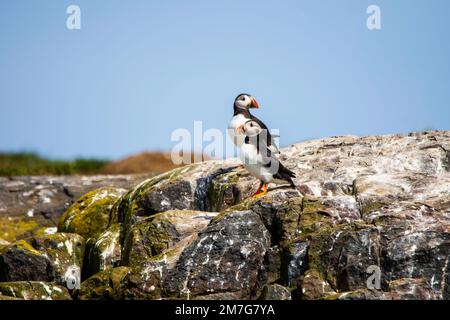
(137,70)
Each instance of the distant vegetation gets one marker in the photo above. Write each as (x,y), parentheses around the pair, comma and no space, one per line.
(20,164)
(28,163)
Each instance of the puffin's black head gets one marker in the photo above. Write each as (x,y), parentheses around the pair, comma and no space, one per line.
(245,101)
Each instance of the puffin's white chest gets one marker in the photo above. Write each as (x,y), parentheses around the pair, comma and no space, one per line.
(254,163)
(236,122)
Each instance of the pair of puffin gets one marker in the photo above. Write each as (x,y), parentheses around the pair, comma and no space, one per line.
(256,145)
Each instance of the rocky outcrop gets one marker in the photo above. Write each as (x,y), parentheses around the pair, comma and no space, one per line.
(31,203)
(232,247)
(32,290)
(370,219)
(54,257)
(89,215)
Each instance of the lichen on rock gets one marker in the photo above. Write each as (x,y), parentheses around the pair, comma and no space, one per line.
(104,285)
(33,290)
(91,214)
(103,252)
(43,258)
(160,232)
(275,292)
(227,256)
(16,228)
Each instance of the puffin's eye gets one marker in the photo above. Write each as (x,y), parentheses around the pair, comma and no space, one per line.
(243,99)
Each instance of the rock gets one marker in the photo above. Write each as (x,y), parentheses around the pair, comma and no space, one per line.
(158,233)
(275,292)
(105,285)
(2,297)
(90,215)
(191,187)
(16,228)
(347,255)
(103,252)
(219,296)
(154,246)
(4,243)
(144,283)
(33,290)
(122,283)
(33,202)
(20,261)
(360,294)
(421,255)
(227,256)
(56,257)
(412,289)
(312,286)
(295,262)
(272,265)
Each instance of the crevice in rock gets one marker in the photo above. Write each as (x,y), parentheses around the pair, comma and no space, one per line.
(203,189)
(446,160)
(358,202)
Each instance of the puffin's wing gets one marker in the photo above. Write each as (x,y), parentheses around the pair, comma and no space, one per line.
(278,170)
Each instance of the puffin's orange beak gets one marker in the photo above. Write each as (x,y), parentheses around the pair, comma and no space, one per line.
(254,104)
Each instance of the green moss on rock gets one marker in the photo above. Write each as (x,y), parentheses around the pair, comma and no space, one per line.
(62,249)
(53,257)
(25,246)
(103,252)
(313,286)
(133,203)
(33,290)
(244,205)
(275,292)
(121,283)
(312,217)
(2,297)
(15,228)
(104,285)
(90,215)
(147,239)
(371,206)
(222,193)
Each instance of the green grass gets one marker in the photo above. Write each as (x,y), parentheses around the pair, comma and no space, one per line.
(26,163)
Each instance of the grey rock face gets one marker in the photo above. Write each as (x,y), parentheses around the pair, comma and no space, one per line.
(39,201)
(103,252)
(54,257)
(227,256)
(51,195)
(16,265)
(295,262)
(275,292)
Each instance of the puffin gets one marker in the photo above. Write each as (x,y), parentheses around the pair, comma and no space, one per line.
(242,105)
(257,149)
(260,161)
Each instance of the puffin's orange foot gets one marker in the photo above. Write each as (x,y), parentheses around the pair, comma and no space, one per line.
(260,193)
(259,190)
